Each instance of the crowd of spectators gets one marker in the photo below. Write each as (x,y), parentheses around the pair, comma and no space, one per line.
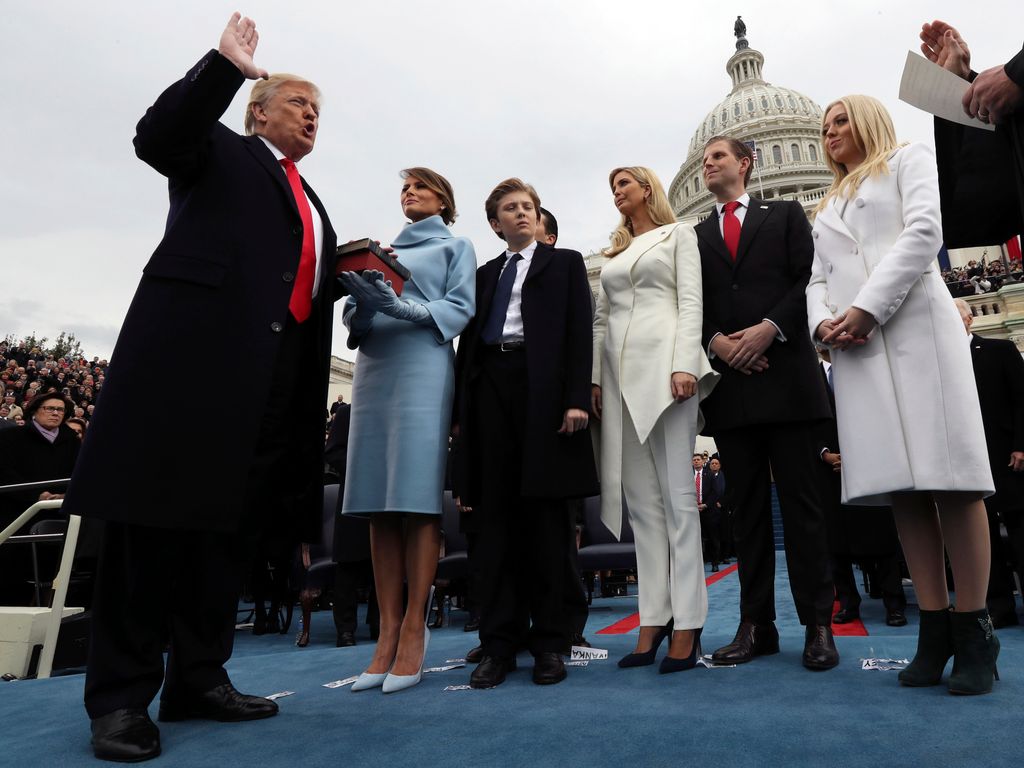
(979,277)
(27,372)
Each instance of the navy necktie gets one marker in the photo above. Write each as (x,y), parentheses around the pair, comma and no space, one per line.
(491,333)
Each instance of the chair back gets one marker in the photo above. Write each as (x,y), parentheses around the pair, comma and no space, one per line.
(595,531)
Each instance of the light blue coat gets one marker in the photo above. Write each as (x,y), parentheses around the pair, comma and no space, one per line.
(404,379)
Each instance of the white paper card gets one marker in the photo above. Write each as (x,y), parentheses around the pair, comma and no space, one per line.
(445,668)
(928,86)
(279,695)
(340,683)
(580,663)
(581,654)
(884,664)
(457,688)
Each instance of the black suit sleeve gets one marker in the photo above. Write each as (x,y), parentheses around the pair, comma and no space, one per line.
(1014,69)
(790,314)
(173,135)
(1013,373)
(578,336)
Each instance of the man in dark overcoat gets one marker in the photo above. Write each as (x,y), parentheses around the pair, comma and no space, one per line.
(245,267)
(523,378)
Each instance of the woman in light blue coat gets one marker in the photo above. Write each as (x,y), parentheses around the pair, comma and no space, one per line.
(401,414)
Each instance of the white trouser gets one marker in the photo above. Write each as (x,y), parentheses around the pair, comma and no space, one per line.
(657,482)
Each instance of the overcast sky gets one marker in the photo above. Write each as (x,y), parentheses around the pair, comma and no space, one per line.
(557,92)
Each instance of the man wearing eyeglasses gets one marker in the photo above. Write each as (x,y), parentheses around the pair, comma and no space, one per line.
(44,449)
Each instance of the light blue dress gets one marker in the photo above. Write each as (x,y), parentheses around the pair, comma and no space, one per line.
(405,380)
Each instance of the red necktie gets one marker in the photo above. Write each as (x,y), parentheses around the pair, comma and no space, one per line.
(696,478)
(731,228)
(301,302)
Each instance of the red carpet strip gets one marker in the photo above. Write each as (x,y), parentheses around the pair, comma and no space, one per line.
(855,628)
(630,623)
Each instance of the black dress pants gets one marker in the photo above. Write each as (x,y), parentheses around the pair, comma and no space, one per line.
(523,542)
(347,578)
(789,452)
(156,586)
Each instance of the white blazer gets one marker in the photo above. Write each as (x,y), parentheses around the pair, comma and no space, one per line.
(906,402)
(647,326)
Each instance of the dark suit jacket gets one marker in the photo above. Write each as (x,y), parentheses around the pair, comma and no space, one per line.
(27,457)
(216,287)
(999,373)
(557,325)
(767,280)
(981,176)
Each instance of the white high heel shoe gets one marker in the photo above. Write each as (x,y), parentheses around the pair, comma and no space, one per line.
(368,680)
(394,683)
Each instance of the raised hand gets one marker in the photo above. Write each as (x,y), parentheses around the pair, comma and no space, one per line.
(238,44)
(942,44)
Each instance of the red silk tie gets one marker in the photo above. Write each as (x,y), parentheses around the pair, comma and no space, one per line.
(696,478)
(731,228)
(301,302)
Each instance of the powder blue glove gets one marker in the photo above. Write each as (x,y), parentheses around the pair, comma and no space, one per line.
(387,302)
(362,289)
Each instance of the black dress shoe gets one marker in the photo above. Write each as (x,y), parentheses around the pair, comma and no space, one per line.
(125,736)
(473,625)
(345,640)
(492,671)
(846,615)
(819,648)
(895,618)
(714,567)
(751,640)
(548,668)
(222,703)
(580,641)
(475,655)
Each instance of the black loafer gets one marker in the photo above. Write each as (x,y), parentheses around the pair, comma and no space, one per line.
(751,640)
(125,736)
(845,616)
(222,703)
(819,648)
(548,668)
(475,655)
(896,619)
(492,671)
(345,640)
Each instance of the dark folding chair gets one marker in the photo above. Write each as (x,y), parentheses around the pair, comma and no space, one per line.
(453,568)
(600,551)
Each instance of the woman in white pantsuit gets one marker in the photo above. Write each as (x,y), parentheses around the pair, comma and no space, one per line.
(649,375)
(906,402)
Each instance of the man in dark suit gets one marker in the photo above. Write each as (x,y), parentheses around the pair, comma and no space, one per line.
(523,373)
(245,266)
(764,413)
(708,504)
(999,374)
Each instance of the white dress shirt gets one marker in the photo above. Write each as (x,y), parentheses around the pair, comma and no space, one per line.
(513,328)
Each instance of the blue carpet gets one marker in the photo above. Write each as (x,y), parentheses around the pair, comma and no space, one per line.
(771,712)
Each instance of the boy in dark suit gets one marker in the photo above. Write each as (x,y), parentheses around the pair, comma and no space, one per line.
(523,373)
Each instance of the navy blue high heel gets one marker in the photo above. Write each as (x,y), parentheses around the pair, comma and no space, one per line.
(647,657)
(670,664)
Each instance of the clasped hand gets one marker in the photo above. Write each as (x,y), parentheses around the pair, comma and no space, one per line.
(850,329)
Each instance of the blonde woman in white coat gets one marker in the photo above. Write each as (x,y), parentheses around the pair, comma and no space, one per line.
(649,375)
(907,405)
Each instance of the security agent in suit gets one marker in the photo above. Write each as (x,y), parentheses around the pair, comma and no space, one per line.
(765,412)
(237,269)
(999,373)
(523,389)
(709,505)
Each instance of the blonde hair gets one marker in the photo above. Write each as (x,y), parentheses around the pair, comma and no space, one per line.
(872,132)
(263,91)
(658,207)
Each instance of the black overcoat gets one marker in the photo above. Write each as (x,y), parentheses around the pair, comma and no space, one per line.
(557,323)
(215,290)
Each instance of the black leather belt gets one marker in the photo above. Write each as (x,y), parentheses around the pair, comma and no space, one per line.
(508,346)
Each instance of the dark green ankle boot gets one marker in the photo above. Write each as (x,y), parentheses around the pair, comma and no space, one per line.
(975,650)
(934,647)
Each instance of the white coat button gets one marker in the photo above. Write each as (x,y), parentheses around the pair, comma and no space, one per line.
(829,267)
(832,307)
(814,235)
(859,202)
(854,250)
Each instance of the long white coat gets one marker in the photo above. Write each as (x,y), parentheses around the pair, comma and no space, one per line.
(647,326)
(906,402)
